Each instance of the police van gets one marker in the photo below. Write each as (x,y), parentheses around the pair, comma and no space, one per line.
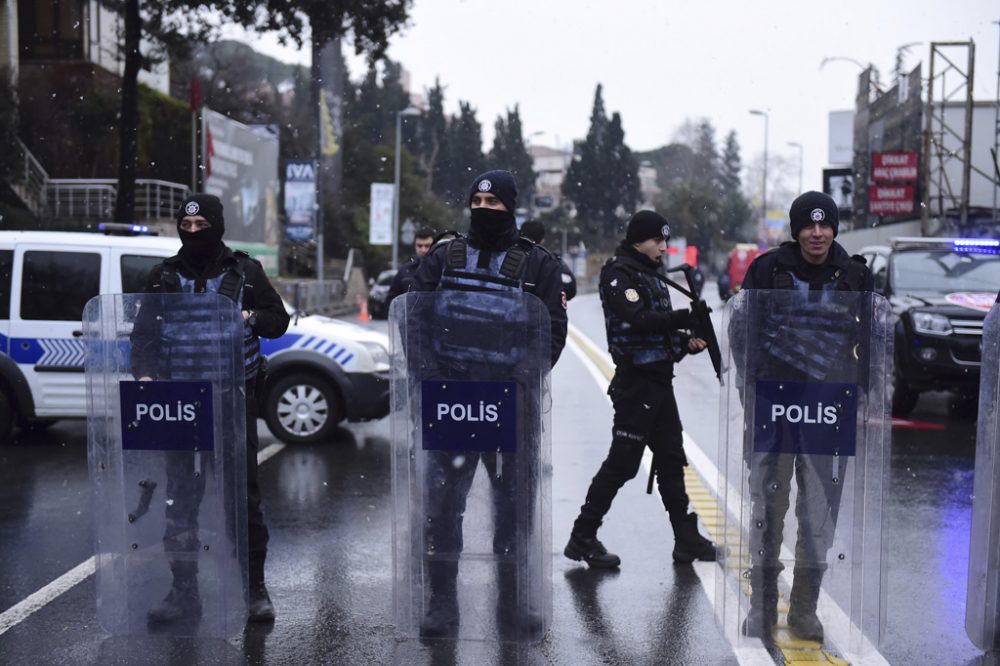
(320,372)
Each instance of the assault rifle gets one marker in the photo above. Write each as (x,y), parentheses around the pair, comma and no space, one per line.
(701,328)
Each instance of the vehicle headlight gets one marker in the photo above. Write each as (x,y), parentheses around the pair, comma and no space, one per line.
(380,355)
(928,322)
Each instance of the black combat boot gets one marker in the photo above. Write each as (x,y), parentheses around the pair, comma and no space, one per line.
(261,608)
(441,617)
(802,604)
(588,548)
(763,613)
(689,545)
(182,603)
(516,621)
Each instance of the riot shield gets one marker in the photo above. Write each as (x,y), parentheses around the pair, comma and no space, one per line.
(470,466)
(982,609)
(803,467)
(167,461)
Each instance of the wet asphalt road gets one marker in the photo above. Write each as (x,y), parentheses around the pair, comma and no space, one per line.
(329,570)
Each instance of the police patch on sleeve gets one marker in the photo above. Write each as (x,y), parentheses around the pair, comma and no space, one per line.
(631,295)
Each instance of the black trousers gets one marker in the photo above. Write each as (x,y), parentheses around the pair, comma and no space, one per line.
(819,481)
(645,415)
(448,479)
(186,474)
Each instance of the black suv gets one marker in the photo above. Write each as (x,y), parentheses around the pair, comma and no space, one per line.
(940,290)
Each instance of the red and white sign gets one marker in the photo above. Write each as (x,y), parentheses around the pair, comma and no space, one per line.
(891,200)
(894,167)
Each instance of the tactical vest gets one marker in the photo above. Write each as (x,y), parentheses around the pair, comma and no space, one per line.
(468,270)
(628,346)
(813,333)
(183,332)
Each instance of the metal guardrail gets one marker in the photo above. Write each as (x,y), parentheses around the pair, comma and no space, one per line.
(95,198)
(315,296)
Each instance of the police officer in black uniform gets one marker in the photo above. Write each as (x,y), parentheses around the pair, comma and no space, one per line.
(493,258)
(646,337)
(812,263)
(535,230)
(205,264)
(422,242)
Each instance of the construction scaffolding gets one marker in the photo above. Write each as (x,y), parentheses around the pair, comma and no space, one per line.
(948,169)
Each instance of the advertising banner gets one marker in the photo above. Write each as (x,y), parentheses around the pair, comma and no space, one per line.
(241,168)
(380,221)
(300,200)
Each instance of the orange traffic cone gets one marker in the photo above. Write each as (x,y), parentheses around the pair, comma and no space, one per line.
(363,309)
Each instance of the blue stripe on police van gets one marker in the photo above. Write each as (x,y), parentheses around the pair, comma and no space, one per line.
(53,352)
(311,342)
(71,353)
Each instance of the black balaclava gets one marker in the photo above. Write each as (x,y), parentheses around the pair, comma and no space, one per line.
(201,247)
(491,229)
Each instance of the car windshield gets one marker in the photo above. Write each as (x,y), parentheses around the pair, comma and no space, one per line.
(385,278)
(944,272)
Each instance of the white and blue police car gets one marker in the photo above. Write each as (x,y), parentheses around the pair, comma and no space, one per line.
(321,372)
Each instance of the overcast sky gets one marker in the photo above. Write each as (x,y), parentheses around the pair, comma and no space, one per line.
(662,61)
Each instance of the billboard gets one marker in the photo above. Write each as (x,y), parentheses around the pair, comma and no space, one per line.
(839,184)
(241,168)
(300,200)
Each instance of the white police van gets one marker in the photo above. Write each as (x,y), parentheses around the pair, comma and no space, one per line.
(320,372)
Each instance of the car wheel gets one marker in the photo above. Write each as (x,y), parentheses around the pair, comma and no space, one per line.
(302,408)
(7,417)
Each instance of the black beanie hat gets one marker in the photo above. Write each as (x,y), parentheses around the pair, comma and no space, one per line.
(810,208)
(647,224)
(208,206)
(500,183)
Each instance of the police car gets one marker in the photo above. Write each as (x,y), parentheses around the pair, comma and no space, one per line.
(940,290)
(320,372)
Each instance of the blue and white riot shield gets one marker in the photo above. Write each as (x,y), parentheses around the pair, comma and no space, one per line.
(471,541)
(803,467)
(982,610)
(166,438)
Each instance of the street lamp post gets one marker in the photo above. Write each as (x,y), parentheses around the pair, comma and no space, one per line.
(795,144)
(763,196)
(408,111)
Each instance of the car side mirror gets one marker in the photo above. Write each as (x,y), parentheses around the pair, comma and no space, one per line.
(880,282)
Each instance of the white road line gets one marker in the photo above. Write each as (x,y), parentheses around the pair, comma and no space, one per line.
(81,572)
(21,610)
